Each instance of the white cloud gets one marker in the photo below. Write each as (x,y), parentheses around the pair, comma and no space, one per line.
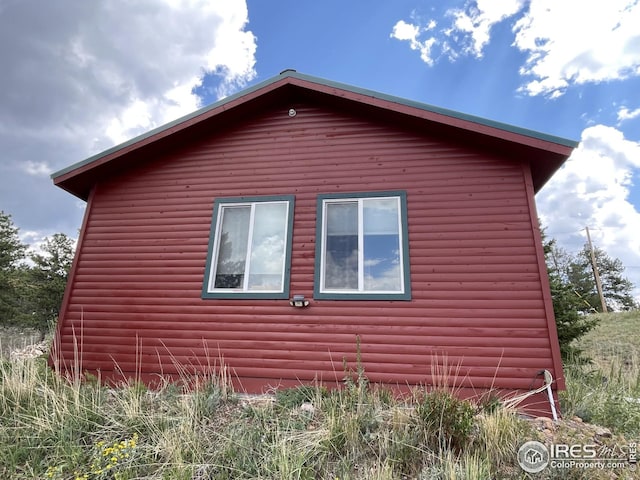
(40,169)
(405,31)
(80,77)
(566,42)
(625,114)
(592,190)
(268,255)
(32,237)
(477,19)
(575,42)
(468,33)
(385,280)
(411,33)
(233,54)
(372,262)
(135,117)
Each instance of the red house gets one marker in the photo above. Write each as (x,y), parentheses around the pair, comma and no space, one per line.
(281,227)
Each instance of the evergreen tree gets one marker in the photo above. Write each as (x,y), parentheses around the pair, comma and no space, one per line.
(12,252)
(31,294)
(617,290)
(48,279)
(567,303)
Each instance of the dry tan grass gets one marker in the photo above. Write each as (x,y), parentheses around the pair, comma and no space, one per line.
(51,425)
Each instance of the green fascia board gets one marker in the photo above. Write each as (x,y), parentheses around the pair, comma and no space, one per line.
(164,127)
(442,111)
(406,263)
(206,294)
(328,83)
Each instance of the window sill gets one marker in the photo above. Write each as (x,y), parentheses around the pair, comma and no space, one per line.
(362,296)
(245,295)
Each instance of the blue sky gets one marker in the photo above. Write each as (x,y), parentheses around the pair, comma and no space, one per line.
(82,77)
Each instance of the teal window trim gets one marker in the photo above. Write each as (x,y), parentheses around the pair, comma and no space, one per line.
(219,203)
(318,294)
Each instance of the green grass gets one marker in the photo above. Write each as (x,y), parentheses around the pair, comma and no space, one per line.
(616,338)
(59,429)
(606,391)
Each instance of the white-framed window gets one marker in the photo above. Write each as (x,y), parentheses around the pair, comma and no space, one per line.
(362,246)
(250,248)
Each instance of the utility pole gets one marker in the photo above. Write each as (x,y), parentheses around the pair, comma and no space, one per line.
(596,274)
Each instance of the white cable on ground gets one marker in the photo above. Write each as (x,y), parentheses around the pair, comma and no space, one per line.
(513,402)
(548,379)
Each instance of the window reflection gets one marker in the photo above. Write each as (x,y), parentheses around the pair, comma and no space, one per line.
(368,224)
(233,247)
(251,247)
(341,252)
(381,261)
(268,247)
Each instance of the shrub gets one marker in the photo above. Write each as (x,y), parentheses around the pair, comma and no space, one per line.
(446,419)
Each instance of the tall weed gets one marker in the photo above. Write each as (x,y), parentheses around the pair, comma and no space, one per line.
(57,427)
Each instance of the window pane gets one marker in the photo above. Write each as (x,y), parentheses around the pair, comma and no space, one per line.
(268,247)
(341,250)
(382,266)
(232,249)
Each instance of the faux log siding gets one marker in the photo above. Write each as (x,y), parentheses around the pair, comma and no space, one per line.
(476,303)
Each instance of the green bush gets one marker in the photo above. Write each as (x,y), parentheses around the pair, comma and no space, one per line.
(446,419)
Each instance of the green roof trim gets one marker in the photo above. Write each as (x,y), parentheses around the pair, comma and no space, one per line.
(166,126)
(442,111)
(332,84)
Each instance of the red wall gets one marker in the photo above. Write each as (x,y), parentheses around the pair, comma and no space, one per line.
(477,297)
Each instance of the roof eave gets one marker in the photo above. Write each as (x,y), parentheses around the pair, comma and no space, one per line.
(556,146)
(437,114)
(170,128)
